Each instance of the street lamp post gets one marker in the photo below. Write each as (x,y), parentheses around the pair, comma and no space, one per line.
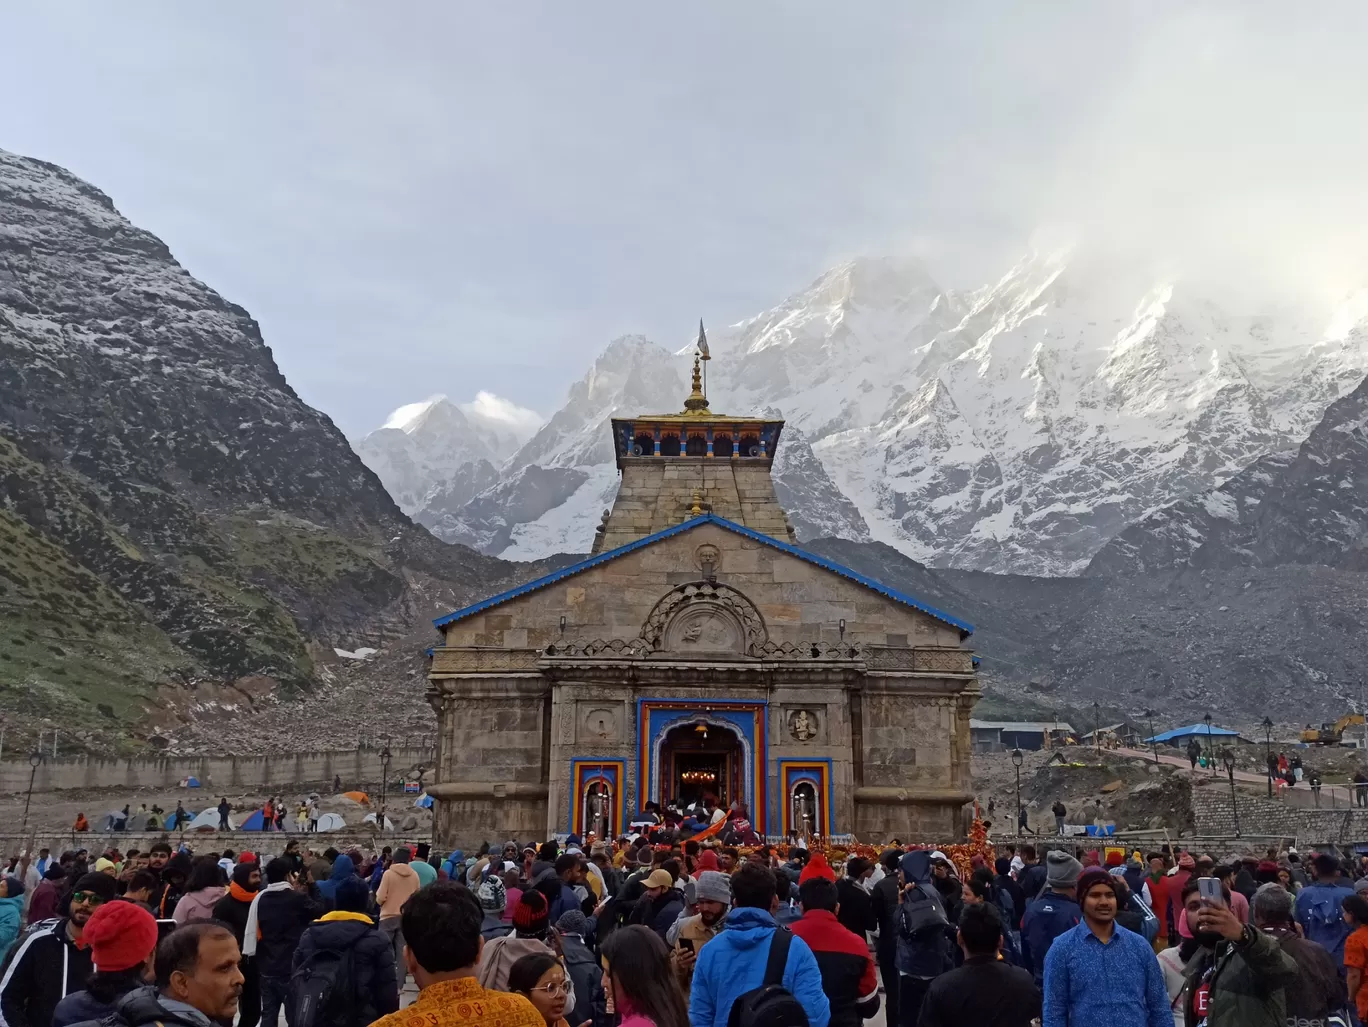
(1211,749)
(1154,746)
(35,758)
(1097,727)
(1016,762)
(1228,758)
(385,757)
(1268,753)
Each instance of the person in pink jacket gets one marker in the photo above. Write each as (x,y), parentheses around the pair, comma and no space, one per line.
(207,884)
(639,982)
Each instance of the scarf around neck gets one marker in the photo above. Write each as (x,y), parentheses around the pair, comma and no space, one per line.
(252,934)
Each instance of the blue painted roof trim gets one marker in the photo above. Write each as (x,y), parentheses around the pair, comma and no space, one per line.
(964,627)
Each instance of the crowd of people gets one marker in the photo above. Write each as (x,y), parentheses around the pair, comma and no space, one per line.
(637,934)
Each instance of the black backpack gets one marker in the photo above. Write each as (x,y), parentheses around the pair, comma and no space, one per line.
(321,990)
(771,1004)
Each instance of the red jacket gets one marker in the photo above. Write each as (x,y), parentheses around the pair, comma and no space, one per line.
(848,976)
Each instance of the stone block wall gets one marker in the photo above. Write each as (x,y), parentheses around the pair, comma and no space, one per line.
(1263,816)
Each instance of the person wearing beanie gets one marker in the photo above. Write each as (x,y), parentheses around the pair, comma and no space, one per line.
(397,885)
(174,875)
(856,911)
(1051,915)
(531,921)
(233,910)
(712,897)
(493,897)
(374,988)
(52,959)
(817,866)
(122,938)
(1097,972)
(848,975)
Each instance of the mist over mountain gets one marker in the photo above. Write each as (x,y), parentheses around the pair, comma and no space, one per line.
(1016,427)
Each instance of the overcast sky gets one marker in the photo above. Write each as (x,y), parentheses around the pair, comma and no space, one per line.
(445,197)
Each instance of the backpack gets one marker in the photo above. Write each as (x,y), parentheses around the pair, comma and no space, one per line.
(921,910)
(321,990)
(771,1004)
(1324,918)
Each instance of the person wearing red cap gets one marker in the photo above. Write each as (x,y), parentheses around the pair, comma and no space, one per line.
(122,937)
(816,867)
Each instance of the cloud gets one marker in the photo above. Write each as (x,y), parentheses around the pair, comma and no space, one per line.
(505,411)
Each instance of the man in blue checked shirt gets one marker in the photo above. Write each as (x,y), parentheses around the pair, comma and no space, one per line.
(1099,974)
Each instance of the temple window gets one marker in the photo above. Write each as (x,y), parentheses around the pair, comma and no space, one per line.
(722,445)
(750,445)
(669,445)
(696,446)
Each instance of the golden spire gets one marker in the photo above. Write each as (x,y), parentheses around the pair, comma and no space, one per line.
(697,503)
(697,403)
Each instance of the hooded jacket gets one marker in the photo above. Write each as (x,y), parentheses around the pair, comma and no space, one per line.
(11,916)
(733,963)
(43,969)
(148,1007)
(1046,919)
(47,897)
(848,976)
(400,882)
(198,905)
(372,959)
(500,955)
(924,952)
(342,868)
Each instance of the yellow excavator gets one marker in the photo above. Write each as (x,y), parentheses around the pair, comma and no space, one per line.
(1331,734)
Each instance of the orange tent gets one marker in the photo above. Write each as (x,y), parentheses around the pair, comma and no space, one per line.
(360,797)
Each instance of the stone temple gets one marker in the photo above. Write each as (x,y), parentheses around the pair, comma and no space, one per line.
(699,650)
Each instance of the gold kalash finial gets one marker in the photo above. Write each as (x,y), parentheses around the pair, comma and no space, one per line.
(697,403)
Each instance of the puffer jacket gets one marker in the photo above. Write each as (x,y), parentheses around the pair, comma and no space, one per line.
(145,1008)
(1246,979)
(11,916)
(376,987)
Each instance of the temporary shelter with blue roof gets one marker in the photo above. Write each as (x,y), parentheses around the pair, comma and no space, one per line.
(1179,736)
(699,652)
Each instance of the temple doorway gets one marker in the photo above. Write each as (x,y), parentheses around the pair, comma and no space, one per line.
(700,760)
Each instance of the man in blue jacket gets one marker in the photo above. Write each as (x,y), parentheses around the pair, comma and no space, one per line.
(1318,908)
(1052,914)
(733,963)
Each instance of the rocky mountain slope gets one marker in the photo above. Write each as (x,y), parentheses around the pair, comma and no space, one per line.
(1302,507)
(1242,643)
(176,526)
(1015,428)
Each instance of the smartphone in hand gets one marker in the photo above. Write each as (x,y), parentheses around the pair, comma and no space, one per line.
(1209,888)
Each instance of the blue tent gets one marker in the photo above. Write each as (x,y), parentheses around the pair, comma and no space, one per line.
(190,782)
(1199,731)
(424,800)
(254,822)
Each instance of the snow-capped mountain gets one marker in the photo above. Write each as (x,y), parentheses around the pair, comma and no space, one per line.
(442,454)
(1015,427)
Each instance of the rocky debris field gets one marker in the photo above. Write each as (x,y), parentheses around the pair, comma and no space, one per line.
(1133,793)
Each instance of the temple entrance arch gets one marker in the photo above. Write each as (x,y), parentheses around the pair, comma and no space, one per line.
(699,760)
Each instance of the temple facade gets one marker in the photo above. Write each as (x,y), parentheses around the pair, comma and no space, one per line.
(699,651)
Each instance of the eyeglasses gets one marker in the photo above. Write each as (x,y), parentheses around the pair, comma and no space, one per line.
(553,989)
(88,897)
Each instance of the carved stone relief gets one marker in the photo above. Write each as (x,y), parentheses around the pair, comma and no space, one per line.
(600,724)
(803,725)
(704,616)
